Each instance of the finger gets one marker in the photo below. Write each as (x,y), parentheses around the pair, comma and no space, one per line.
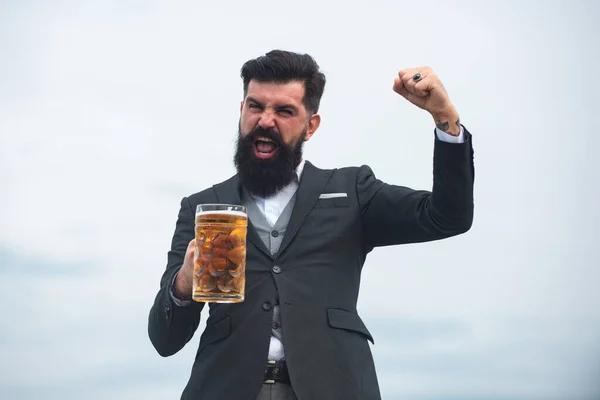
(423,86)
(410,83)
(407,74)
(398,86)
(402,91)
(423,70)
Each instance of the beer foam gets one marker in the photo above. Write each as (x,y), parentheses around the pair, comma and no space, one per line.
(222,212)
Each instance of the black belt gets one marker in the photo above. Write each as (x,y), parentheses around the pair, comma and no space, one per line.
(276,371)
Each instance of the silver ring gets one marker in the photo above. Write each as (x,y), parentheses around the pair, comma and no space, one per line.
(416,77)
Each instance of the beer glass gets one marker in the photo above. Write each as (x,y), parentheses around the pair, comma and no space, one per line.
(220,254)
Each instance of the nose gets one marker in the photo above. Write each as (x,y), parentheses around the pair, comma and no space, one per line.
(266,120)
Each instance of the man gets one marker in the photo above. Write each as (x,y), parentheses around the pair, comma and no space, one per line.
(297,335)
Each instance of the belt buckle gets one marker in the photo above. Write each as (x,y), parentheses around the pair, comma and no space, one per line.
(270,381)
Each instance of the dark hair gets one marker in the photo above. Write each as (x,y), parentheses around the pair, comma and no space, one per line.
(283,67)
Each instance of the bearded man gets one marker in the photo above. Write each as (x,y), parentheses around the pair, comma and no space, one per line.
(297,334)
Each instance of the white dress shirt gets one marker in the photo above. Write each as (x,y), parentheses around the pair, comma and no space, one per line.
(273,206)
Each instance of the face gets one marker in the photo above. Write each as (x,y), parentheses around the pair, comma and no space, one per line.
(277,107)
(274,124)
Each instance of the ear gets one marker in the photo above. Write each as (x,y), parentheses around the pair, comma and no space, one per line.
(241,106)
(313,125)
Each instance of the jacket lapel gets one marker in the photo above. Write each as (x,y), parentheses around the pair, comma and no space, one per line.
(312,182)
(229,192)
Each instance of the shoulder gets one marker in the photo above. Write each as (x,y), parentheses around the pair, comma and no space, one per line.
(345,170)
(352,172)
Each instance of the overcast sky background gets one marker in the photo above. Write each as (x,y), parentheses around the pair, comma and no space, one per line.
(112,111)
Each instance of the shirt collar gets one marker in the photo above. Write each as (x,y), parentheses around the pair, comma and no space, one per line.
(299,170)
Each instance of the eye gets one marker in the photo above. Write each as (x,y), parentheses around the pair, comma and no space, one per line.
(254,106)
(286,111)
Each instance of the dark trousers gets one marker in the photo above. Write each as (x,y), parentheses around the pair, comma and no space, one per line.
(276,391)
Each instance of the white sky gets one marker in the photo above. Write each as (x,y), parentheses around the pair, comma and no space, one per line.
(106,110)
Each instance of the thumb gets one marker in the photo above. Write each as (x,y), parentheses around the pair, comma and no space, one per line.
(191,245)
(191,249)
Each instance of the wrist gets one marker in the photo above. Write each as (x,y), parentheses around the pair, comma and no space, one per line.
(447,120)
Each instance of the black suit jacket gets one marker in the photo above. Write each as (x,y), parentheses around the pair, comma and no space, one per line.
(317,286)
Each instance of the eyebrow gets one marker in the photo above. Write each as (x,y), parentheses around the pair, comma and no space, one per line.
(279,107)
(253,100)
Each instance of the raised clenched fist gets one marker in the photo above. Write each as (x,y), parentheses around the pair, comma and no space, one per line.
(422,87)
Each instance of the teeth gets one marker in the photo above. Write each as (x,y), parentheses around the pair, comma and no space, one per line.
(264,139)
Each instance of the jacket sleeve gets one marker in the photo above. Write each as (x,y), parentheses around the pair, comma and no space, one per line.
(171,326)
(397,215)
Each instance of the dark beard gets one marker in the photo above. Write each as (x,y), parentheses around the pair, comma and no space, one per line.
(264,178)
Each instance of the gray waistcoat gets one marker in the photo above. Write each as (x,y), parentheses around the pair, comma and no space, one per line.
(272,236)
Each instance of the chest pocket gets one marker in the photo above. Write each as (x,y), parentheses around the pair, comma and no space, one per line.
(329,202)
(331,221)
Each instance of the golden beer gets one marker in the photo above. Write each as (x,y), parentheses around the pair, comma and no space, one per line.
(220,256)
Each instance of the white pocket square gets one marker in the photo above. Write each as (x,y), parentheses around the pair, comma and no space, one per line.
(332,195)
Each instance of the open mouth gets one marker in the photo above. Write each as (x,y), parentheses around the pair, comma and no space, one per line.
(264,148)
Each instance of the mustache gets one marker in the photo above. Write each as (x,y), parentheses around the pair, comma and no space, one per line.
(268,133)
